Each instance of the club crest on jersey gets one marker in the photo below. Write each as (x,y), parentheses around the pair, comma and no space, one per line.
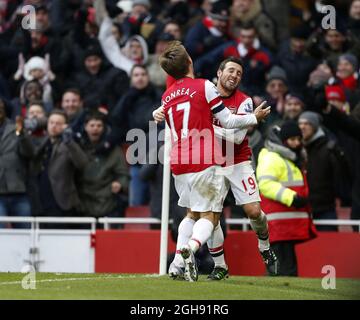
(233,109)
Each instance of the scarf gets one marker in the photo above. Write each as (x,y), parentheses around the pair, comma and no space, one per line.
(208,23)
(350,82)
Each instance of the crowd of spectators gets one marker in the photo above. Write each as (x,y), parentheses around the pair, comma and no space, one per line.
(73,86)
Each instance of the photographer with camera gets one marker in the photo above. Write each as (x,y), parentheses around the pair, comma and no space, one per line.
(55,163)
(35,122)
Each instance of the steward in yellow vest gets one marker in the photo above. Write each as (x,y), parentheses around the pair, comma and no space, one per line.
(283,188)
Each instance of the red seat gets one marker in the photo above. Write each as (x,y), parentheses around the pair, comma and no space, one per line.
(137,212)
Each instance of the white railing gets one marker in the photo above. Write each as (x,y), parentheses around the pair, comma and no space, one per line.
(74,248)
(35,246)
(243,221)
(107,221)
(35,221)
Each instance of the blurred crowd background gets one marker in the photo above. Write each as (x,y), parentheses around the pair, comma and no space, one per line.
(72,88)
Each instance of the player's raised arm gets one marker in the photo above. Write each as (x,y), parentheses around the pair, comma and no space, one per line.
(231,121)
(224,115)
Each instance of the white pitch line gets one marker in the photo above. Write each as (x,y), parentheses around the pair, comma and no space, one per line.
(83,279)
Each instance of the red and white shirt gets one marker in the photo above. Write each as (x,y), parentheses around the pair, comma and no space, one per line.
(188,105)
(237,103)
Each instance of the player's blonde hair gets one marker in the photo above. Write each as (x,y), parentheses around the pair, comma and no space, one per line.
(175,60)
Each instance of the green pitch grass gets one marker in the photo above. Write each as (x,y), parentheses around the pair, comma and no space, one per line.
(153,287)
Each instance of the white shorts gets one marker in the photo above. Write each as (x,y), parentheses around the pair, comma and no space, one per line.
(201,191)
(242,181)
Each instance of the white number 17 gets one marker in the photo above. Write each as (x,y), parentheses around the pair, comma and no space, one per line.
(185,125)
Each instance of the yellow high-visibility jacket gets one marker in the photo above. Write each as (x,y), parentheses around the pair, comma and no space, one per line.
(279,180)
(275,175)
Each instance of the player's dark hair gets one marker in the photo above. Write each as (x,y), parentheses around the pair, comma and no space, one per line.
(175,60)
(230,59)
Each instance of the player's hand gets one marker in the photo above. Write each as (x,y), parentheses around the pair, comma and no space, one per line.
(262,111)
(115,187)
(159,114)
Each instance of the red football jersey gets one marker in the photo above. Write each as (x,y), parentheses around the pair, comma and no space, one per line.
(238,103)
(188,105)
(169,81)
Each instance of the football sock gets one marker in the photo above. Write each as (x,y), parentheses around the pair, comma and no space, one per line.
(185,230)
(202,232)
(216,247)
(260,227)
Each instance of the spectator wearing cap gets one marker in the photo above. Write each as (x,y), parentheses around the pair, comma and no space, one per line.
(210,32)
(256,59)
(38,68)
(326,164)
(294,105)
(245,11)
(276,88)
(100,83)
(157,74)
(343,90)
(284,194)
(293,58)
(275,92)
